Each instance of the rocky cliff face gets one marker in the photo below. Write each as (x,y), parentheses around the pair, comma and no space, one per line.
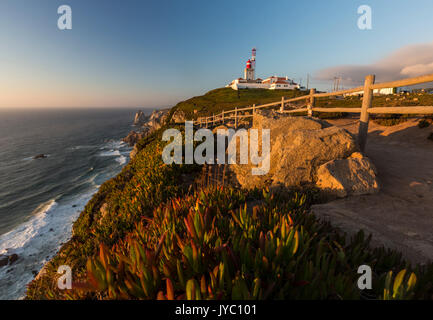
(178,117)
(132,138)
(147,124)
(309,151)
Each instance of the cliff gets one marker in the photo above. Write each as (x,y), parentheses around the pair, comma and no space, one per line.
(159,231)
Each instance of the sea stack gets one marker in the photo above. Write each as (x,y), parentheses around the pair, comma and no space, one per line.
(139,118)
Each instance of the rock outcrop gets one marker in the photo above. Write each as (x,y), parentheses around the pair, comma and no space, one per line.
(133,152)
(132,138)
(303,147)
(148,124)
(8,260)
(156,120)
(139,118)
(40,156)
(178,117)
(343,177)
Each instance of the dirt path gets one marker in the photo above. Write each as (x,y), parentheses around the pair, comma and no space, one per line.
(400,216)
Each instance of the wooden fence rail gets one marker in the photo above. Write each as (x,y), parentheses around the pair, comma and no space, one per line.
(365,110)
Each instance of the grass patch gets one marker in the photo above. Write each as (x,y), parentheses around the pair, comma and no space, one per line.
(217,100)
(390,119)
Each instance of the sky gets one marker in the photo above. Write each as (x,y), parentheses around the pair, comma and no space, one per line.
(152,54)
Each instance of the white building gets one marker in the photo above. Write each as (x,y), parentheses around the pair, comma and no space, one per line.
(383,91)
(271,83)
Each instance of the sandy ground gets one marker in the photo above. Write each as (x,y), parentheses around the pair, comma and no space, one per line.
(400,216)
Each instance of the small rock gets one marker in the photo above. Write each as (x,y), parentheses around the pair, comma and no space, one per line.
(3,261)
(357,155)
(13,258)
(40,156)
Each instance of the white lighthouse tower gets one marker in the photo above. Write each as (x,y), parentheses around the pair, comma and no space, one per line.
(249,72)
(253,58)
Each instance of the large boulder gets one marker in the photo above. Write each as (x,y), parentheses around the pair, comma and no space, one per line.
(299,147)
(343,177)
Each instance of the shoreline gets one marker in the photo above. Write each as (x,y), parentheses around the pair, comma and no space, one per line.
(33,243)
(148,124)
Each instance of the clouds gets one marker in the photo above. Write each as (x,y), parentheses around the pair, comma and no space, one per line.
(408,61)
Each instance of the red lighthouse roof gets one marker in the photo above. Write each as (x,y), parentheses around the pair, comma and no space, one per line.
(249,64)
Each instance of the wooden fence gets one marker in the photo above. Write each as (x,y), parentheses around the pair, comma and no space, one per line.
(365,110)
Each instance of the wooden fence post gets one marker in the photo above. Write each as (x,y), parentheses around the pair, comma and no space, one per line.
(367,100)
(311,103)
(282,104)
(254,108)
(236,117)
(222,115)
(206,122)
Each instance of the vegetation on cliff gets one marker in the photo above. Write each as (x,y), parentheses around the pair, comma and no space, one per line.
(158,237)
(220,99)
(151,233)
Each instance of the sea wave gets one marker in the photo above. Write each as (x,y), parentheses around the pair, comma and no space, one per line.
(110,153)
(118,149)
(36,241)
(121,159)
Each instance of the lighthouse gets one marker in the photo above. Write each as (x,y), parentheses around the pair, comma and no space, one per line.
(249,80)
(250,67)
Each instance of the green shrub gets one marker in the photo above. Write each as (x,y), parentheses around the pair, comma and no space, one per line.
(390,119)
(424,123)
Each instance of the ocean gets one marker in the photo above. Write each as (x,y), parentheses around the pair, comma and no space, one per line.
(41,198)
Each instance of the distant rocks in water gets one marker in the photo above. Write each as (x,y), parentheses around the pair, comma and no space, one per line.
(139,118)
(8,260)
(40,156)
(309,151)
(4,261)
